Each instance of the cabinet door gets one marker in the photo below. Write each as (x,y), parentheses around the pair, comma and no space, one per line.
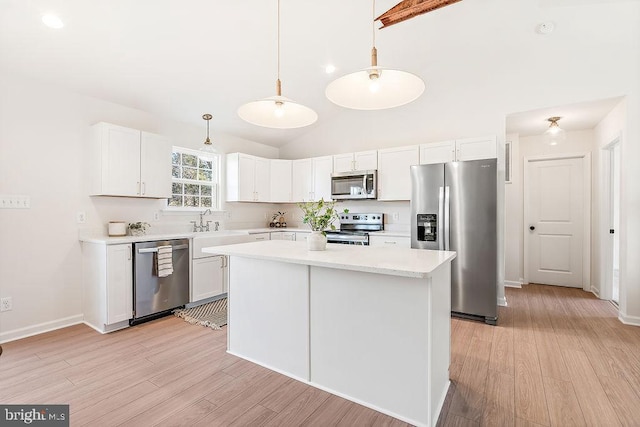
(258,237)
(301,236)
(119,283)
(366,160)
(276,235)
(437,152)
(394,176)
(246,178)
(396,241)
(322,168)
(120,155)
(280,181)
(343,163)
(262,180)
(155,166)
(208,278)
(476,148)
(302,180)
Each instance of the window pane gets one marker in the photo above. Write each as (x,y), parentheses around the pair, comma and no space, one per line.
(205,164)
(191,189)
(175,158)
(176,188)
(191,201)
(205,190)
(175,171)
(189,173)
(175,201)
(204,175)
(189,160)
(205,202)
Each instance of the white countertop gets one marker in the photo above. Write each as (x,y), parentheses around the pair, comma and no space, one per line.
(276,229)
(417,263)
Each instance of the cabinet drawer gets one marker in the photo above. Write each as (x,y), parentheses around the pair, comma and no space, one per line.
(395,241)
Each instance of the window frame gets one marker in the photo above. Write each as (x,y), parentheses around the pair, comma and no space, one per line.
(215,182)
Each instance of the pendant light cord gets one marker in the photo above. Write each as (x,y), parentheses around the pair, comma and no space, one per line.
(278,84)
(374,51)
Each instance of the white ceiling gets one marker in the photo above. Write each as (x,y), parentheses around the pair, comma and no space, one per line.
(180,59)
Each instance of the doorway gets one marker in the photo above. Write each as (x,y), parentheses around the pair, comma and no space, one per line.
(612,273)
(557,200)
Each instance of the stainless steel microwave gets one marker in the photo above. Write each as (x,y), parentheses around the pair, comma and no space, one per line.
(354,185)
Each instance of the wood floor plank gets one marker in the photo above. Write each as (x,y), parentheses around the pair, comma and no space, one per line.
(329,413)
(595,405)
(300,408)
(257,415)
(454,420)
(284,395)
(469,397)
(361,416)
(187,416)
(530,401)
(460,341)
(501,359)
(620,391)
(499,405)
(564,409)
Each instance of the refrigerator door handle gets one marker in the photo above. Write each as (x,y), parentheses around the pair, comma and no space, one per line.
(446,218)
(441,219)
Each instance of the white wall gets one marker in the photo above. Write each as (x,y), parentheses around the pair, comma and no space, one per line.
(43,131)
(513,217)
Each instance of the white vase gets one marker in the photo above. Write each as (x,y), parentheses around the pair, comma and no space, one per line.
(317,241)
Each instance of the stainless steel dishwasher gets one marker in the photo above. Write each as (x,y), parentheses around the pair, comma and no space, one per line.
(155,296)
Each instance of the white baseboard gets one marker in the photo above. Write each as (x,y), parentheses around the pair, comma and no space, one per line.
(628,320)
(512,284)
(595,291)
(503,302)
(41,328)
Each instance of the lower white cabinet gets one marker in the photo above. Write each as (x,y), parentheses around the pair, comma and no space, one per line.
(208,277)
(283,235)
(107,282)
(301,236)
(257,237)
(391,241)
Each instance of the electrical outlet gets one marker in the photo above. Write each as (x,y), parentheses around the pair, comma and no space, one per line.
(81,217)
(6,304)
(15,202)
(156,216)
(396,216)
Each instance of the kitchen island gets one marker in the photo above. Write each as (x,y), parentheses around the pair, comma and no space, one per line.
(370,324)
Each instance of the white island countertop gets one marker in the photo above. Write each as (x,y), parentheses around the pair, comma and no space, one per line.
(416,263)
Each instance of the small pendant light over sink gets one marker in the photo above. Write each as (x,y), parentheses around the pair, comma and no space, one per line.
(207,146)
(277,112)
(375,88)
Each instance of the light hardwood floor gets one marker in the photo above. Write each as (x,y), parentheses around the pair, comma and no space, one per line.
(558,357)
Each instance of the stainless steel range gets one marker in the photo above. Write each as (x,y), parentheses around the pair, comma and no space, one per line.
(355,228)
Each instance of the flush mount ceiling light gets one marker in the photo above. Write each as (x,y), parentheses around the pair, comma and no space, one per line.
(277,112)
(208,145)
(555,133)
(375,88)
(52,21)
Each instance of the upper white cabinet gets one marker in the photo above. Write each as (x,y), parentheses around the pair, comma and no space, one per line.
(459,150)
(280,181)
(128,162)
(394,173)
(363,160)
(311,179)
(248,178)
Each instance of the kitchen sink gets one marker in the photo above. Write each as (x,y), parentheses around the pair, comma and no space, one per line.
(217,238)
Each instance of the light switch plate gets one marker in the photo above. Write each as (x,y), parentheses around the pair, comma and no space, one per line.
(81,217)
(15,202)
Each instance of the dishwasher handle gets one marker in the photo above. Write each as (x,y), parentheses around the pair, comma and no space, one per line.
(153,250)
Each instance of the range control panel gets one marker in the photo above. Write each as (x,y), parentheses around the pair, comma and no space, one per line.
(427,227)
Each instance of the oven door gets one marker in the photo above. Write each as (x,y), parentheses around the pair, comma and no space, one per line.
(353,185)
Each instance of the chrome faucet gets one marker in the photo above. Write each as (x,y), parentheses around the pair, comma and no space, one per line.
(202,226)
(217,225)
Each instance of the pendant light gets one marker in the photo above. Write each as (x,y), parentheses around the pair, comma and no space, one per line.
(375,88)
(277,112)
(555,133)
(208,145)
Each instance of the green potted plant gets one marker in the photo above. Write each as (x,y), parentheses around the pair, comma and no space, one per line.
(319,216)
(138,228)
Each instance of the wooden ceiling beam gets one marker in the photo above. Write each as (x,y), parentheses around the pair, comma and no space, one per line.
(407,9)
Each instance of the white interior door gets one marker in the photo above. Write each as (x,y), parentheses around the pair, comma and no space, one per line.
(614,218)
(555,222)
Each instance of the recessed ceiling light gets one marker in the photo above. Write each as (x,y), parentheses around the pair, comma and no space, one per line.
(330,69)
(52,21)
(545,28)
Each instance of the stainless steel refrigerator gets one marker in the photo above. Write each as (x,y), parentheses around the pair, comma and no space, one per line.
(453,207)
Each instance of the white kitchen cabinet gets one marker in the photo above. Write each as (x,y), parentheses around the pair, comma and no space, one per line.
(311,179)
(248,178)
(283,235)
(128,162)
(391,241)
(302,236)
(459,150)
(107,281)
(208,277)
(280,181)
(258,237)
(394,174)
(363,160)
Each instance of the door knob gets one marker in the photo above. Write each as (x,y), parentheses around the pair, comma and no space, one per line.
(531,227)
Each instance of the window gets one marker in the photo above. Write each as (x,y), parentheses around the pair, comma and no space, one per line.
(194,179)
